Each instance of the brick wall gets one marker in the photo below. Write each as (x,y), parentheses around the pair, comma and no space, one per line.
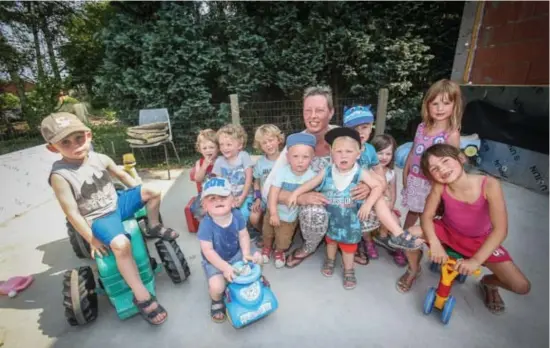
(512,47)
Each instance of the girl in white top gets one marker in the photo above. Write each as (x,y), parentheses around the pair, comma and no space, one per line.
(385,146)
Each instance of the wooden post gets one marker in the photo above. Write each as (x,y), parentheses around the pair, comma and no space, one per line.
(381,110)
(235,116)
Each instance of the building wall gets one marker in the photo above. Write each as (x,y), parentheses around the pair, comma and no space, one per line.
(10,88)
(512,44)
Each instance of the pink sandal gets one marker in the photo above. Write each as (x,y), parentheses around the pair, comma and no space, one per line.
(15,285)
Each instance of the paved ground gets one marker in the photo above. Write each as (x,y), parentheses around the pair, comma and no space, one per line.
(314,311)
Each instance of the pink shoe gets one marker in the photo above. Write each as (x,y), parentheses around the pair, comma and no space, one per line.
(15,285)
(372,252)
(400,258)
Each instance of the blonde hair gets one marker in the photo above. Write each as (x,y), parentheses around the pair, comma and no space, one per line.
(205,135)
(234,131)
(345,137)
(268,130)
(324,91)
(383,141)
(452,90)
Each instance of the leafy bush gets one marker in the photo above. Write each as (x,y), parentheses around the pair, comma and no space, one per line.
(9,101)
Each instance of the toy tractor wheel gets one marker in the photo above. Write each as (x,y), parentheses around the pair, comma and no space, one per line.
(429,301)
(173,260)
(79,296)
(81,247)
(448,310)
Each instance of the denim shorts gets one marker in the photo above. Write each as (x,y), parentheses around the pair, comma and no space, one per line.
(107,227)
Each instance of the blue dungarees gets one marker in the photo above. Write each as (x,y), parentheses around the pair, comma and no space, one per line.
(343,224)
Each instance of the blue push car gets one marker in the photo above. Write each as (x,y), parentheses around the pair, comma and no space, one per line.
(469,144)
(249,297)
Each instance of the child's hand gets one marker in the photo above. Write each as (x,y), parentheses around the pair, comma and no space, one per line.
(467,267)
(363,213)
(292,200)
(437,253)
(274,220)
(256,206)
(97,248)
(256,258)
(229,273)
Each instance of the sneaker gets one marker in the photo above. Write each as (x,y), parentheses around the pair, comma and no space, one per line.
(266,254)
(280,259)
(399,258)
(372,252)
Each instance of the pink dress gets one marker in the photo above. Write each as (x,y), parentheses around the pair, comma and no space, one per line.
(418,186)
(465,226)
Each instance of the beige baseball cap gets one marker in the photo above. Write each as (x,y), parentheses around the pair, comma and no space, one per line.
(59,125)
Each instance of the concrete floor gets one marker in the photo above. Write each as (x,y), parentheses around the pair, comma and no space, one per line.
(314,311)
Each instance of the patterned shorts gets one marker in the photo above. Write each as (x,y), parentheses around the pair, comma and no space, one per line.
(414,196)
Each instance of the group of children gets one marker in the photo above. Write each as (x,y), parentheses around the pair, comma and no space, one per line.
(230,187)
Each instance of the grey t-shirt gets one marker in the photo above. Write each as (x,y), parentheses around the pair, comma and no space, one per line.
(234,172)
(91,184)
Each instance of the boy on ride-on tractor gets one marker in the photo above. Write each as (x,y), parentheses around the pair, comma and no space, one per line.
(84,187)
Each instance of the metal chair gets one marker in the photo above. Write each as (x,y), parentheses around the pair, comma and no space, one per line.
(148,116)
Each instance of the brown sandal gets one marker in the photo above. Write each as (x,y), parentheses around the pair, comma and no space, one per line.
(361,257)
(293,260)
(406,281)
(492,299)
(328,267)
(350,281)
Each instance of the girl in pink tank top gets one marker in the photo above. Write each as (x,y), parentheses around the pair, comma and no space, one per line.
(474,224)
(441,118)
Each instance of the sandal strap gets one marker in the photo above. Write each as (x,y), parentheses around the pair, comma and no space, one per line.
(144,304)
(155,312)
(161,231)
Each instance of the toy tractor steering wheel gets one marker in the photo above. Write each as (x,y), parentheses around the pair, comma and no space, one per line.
(246,272)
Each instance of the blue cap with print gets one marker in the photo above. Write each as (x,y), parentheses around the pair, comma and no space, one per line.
(301,139)
(357,115)
(216,186)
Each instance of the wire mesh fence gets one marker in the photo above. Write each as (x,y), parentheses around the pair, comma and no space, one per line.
(109,137)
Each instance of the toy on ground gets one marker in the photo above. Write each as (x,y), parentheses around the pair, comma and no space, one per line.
(14,285)
(249,297)
(441,297)
(469,144)
(192,223)
(80,288)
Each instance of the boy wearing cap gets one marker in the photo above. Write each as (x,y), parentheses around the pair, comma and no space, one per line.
(224,240)
(82,182)
(345,215)
(280,221)
(361,119)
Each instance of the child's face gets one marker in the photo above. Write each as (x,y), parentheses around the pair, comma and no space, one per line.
(445,170)
(345,153)
(385,156)
(208,149)
(75,146)
(229,146)
(364,131)
(441,108)
(217,205)
(299,157)
(270,145)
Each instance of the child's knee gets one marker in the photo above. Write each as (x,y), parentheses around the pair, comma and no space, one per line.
(121,246)
(522,287)
(148,192)
(216,285)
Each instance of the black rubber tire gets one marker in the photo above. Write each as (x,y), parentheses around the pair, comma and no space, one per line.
(81,247)
(79,296)
(173,260)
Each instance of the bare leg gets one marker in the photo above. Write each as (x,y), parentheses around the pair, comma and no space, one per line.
(505,275)
(332,248)
(405,282)
(347,260)
(256,219)
(152,197)
(122,249)
(350,281)
(216,288)
(410,219)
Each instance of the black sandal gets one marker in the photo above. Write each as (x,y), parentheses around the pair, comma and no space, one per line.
(150,316)
(217,307)
(159,231)
(405,241)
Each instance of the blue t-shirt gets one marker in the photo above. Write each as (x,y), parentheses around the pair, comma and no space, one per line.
(234,172)
(262,169)
(288,181)
(368,158)
(224,239)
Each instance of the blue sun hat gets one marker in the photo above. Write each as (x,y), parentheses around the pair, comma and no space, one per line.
(357,115)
